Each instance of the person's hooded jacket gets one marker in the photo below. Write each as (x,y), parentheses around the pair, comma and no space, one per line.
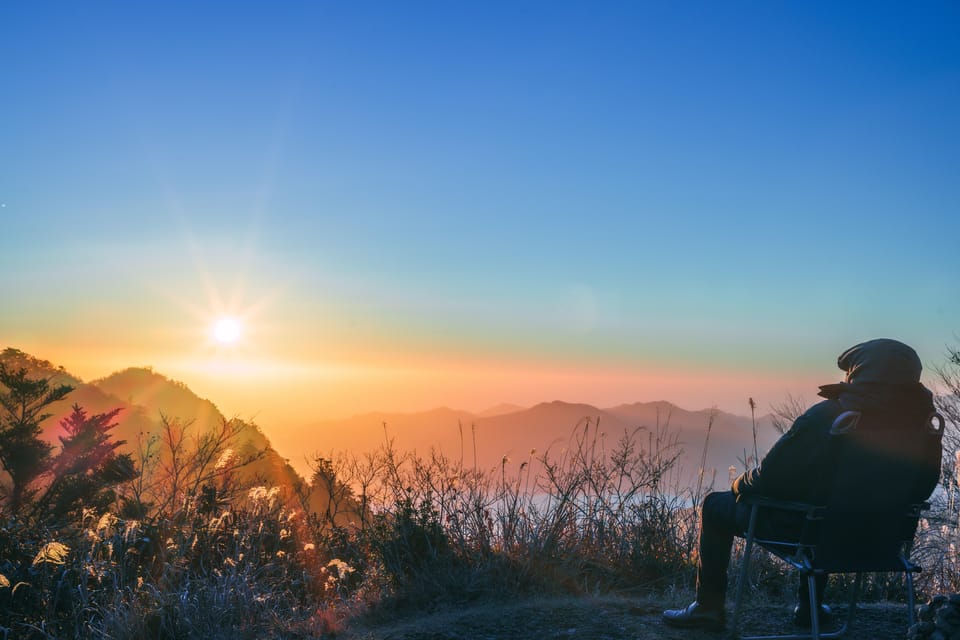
(883,384)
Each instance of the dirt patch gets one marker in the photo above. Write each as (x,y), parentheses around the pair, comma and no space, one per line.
(605,618)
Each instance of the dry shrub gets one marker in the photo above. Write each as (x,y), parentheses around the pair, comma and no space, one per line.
(587,518)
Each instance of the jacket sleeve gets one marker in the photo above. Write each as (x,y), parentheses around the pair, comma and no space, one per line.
(791,469)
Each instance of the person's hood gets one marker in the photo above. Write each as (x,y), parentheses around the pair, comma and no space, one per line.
(881,374)
(883,360)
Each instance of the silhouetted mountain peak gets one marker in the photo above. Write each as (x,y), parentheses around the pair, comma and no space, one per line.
(15,359)
(560,405)
(662,405)
(156,393)
(503,408)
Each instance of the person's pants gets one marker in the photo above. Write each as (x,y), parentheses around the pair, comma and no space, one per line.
(722,518)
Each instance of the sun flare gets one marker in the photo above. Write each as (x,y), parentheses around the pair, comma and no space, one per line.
(226,330)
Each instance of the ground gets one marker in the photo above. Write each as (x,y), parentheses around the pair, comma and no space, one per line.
(603,618)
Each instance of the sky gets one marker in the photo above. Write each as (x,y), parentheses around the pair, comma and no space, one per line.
(408,205)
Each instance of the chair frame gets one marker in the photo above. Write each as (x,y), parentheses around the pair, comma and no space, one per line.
(800,554)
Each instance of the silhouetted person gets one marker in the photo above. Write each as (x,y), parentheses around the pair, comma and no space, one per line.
(883,380)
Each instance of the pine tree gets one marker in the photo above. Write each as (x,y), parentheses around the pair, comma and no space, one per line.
(87,468)
(23,453)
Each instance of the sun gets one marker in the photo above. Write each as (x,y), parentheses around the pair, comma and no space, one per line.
(226,330)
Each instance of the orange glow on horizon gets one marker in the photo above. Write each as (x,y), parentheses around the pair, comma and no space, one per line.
(244,382)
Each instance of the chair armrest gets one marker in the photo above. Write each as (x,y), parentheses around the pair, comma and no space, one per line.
(783,505)
(811,514)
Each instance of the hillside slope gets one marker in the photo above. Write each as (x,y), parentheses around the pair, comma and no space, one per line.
(144,397)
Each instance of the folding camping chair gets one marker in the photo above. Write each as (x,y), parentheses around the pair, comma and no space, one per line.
(866,526)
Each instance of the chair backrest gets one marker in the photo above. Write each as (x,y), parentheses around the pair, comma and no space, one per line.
(873,506)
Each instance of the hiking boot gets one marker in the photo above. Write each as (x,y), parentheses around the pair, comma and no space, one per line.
(801,615)
(696,616)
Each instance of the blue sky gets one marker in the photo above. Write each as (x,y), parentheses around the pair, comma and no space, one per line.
(739,190)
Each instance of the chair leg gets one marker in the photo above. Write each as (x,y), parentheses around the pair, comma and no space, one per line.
(744,567)
(910,596)
(814,607)
(852,605)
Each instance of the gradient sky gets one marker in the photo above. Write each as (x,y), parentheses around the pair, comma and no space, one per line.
(412,204)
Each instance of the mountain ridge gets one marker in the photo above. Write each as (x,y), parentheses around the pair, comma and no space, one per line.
(489,439)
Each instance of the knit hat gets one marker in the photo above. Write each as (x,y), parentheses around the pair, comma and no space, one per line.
(882,360)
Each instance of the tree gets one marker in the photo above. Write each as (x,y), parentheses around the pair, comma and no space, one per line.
(948,404)
(87,468)
(189,463)
(785,413)
(23,453)
(328,496)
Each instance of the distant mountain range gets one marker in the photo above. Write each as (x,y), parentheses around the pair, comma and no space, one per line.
(513,432)
(483,438)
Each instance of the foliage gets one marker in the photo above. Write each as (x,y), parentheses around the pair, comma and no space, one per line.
(23,453)
(938,542)
(241,573)
(785,412)
(83,472)
(180,468)
(86,470)
(583,518)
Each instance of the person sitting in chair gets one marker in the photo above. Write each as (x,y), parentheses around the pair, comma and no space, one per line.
(882,378)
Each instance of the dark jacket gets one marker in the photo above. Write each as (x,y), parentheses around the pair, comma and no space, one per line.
(800,465)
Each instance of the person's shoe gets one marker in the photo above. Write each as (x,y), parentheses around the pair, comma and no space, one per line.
(695,616)
(801,615)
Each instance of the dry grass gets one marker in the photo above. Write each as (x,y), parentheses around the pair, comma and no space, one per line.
(400,535)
